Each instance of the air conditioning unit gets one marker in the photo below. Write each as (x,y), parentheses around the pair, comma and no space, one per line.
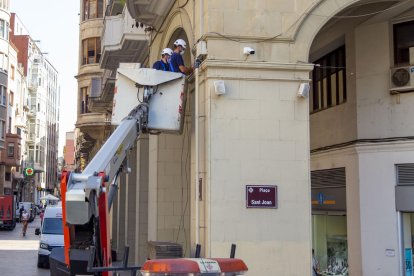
(402,79)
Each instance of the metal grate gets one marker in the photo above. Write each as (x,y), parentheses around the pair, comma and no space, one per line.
(405,174)
(164,250)
(331,178)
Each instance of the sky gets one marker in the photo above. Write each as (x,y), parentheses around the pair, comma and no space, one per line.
(56,24)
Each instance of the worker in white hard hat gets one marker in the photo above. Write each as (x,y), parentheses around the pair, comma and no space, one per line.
(176,61)
(163,64)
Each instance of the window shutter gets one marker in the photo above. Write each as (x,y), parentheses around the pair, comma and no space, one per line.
(405,174)
(331,178)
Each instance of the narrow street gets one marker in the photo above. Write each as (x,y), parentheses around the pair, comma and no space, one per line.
(18,254)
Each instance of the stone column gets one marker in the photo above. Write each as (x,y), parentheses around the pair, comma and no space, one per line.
(142,199)
(131,204)
(115,223)
(121,215)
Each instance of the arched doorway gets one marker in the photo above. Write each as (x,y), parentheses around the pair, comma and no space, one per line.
(170,156)
(354,114)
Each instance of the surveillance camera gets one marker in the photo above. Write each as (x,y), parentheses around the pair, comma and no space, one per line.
(248,51)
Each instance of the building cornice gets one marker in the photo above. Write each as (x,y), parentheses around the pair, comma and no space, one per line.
(360,148)
(238,38)
(256,70)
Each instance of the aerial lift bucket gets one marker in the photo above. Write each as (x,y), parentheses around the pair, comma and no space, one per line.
(167,101)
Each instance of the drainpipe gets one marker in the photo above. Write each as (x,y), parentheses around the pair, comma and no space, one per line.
(197,192)
(196,134)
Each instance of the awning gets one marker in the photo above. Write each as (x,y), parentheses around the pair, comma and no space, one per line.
(38,169)
(17,176)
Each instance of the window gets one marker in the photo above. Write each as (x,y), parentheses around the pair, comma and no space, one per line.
(11,98)
(2,61)
(10,150)
(3,95)
(4,4)
(2,25)
(38,128)
(4,29)
(91,50)
(403,40)
(10,125)
(7,176)
(12,72)
(85,100)
(329,81)
(92,9)
(31,153)
(52,226)
(2,129)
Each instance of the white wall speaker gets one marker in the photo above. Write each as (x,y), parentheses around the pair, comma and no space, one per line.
(219,87)
(303,90)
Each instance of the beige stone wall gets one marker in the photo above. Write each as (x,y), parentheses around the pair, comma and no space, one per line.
(257,133)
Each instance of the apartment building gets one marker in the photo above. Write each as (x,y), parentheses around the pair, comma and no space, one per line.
(41,104)
(10,138)
(321,111)
(93,111)
(69,152)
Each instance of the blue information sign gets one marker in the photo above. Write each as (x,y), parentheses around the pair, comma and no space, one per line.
(408,262)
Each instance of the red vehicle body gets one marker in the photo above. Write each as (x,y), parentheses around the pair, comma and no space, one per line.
(7,212)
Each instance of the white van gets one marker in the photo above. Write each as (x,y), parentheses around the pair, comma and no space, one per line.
(51,234)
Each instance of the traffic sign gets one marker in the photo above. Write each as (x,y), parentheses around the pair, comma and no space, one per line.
(29,171)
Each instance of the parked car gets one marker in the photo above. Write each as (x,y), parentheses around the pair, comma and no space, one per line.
(51,234)
(29,207)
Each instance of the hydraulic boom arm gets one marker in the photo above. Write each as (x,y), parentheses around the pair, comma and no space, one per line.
(82,188)
(87,201)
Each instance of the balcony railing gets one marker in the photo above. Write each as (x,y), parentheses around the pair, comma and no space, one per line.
(31,137)
(92,119)
(32,85)
(123,40)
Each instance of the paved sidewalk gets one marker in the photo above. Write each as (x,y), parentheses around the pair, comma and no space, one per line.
(18,254)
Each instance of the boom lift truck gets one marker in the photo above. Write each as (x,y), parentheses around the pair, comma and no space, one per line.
(87,196)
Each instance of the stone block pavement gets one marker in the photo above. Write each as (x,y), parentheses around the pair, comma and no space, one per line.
(18,254)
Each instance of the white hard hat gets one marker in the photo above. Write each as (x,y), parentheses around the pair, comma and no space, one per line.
(167,51)
(180,42)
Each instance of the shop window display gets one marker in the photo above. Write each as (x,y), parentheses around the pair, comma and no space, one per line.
(330,244)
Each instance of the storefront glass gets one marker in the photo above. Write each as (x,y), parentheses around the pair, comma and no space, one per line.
(408,240)
(330,243)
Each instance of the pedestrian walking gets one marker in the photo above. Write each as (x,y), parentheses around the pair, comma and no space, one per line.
(21,213)
(42,214)
(25,219)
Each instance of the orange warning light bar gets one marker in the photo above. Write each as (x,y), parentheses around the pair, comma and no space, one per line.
(200,266)
(231,265)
